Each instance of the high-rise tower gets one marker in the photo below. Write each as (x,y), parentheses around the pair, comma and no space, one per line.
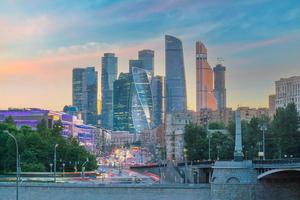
(175,88)
(204,80)
(147,56)
(219,83)
(108,76)
(157,96)
(85,90)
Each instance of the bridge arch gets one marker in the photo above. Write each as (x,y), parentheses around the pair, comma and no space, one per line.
(273,171)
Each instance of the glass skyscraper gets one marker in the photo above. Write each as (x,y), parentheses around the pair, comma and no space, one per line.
(147,56)
(108,76)
(219,84)
(85,89)
(157,94)
(141,102)
(122,119)
(175,88)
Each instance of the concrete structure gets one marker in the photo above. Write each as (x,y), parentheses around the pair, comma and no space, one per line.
(205,98)
(85,93)
(121,138)
(238,149)
(147,56)
(272,105)
(175,124)
(64,191)
(108,76)
(288,91)
(219,86)
(175,86)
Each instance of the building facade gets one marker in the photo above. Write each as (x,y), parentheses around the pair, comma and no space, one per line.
(108,76)
(174,137)
(122,103)
(219,86)
(147,56)
(85,93)
(157,93)
(175,86)
(205,98)
(141,101)
(288,91)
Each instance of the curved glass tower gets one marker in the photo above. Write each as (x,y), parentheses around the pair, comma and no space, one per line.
(141,104)
(175,90)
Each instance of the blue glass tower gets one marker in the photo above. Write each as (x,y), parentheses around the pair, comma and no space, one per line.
(147,56)
(85,90)
(175,88)
(157,93)
(108,76)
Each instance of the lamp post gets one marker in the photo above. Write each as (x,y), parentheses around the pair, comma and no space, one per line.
(185,160)
(83,167)
(56,145)
(263,128)
(17,163)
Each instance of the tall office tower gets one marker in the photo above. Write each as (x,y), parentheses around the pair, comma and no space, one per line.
(220,89)
(122,103)
(175,88)
(141,100)
(204,80)
(109,75)
(135,63)
(147,56)
(85,89)
(157,96)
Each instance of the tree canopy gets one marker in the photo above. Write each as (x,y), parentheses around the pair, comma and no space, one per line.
(36,149)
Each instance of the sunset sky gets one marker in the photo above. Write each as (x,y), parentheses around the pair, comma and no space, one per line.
(41,41)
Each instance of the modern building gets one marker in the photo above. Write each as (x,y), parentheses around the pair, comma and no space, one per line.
(72,110)
(288,91)
(157,96)
(122,119)
(175,86)
(72,126)
(147,56)
(141,100)
(205,98)
(219,86)
(85,91)
(174,137)
(108,76)
(135,63)
(272,105)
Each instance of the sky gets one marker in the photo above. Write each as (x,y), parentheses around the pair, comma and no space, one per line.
(42,41)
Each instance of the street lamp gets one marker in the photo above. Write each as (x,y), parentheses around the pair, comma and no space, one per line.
(185,160)
(17,163)
(83,167)
(56,145)
(263,128)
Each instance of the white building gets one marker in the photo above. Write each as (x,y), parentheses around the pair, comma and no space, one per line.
(175,125)
(288,91)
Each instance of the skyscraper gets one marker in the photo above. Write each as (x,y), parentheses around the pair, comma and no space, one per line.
(157,96)
(135,63)
(219,83)
(204,80)
(175,89)
(85,89)
(109,75)
(141,101)
(147,56)
(122,103)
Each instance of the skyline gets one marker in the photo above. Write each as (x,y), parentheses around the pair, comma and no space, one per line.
(38,53)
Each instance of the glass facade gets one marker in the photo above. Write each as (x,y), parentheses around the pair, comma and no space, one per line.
(142,103)
(85,90)
(157,93)
(175,87)
(219,84)
(108,76)
(122,119)
(147,56)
